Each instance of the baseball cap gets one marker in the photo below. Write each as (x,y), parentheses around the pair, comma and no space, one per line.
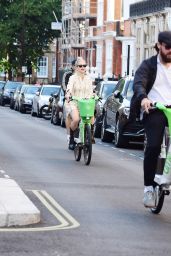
(165,37)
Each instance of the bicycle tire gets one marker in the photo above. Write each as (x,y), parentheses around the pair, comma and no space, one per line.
(87,147)
(157,209)
(77,152)
(45,112)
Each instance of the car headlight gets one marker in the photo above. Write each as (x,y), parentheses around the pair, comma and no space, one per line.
(28,101)
(6,93)
(126,111)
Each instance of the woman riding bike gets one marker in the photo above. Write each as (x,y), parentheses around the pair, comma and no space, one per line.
(79,85)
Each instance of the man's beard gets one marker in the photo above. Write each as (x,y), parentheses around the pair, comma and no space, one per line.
(166,58)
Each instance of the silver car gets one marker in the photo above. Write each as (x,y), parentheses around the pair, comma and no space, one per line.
(41,98)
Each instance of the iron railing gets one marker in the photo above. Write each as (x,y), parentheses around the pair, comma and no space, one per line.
(148,6)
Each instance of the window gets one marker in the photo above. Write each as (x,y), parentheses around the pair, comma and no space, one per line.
(42,67)
(100,10)
(53,67)
(109,54)
(110,10)
(99,59)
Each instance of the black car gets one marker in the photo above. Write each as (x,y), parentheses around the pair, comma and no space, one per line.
(5,94)
(116,124)
(103,90)
(57,108)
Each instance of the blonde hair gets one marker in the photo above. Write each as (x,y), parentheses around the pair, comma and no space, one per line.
(79,60)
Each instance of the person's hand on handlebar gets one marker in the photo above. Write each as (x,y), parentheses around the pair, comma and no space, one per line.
(146,104)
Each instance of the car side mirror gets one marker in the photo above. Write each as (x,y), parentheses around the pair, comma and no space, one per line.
(117,94)
(37,93)
(55,95)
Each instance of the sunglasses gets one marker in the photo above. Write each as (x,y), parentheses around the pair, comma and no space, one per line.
(82,66)
(167,47)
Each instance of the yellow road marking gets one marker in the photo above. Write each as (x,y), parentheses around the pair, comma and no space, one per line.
(65,219)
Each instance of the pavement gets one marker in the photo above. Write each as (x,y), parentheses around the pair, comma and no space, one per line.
(16,209)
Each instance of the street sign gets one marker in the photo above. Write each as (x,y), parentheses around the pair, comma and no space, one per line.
(56,25)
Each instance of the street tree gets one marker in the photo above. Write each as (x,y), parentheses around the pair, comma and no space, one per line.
(25,29)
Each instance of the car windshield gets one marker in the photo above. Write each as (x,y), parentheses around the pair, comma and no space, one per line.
(11,85)
(107,90)
(31,90)
(50,90)
(1,85)
(130,91)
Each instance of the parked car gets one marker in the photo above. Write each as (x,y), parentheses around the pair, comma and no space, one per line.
(2,84)
(115,123)
(26,99)
(41,98)
(18,96)
(103,90)
(14,95)
(57,108)
(7,91)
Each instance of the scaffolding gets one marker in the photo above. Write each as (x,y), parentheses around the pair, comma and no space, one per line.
(77,17)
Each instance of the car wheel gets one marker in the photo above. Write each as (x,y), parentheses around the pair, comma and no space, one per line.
(2,102)
(55,119)
(105,135)
(120,140)
(22,109)
(97,129)
(38,112)
(62,121)
(32,112)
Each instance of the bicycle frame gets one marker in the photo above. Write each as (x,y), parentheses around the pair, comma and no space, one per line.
(164,163)
(85,118)
(165,178)
(86,109)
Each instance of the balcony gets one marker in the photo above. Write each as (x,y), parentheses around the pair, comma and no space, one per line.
(148,6)
(84,10)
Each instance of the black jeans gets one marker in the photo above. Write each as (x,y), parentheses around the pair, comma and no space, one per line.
(154,124)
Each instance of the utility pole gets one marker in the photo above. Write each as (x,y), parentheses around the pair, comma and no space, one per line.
(56,26)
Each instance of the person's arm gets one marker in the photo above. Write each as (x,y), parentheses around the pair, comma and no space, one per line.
(64,82)
(69,88)
(139,98)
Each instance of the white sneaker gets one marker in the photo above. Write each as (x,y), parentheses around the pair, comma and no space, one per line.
(149,199)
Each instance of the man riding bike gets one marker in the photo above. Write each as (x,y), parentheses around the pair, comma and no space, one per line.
(79,85)
(152,83)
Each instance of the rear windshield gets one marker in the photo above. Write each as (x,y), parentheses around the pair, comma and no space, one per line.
(1,85)
(129,93)
(50,90)
(107,90)
(32,90)
(11,85)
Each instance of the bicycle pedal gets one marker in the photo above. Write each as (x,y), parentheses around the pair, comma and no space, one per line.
(166,187)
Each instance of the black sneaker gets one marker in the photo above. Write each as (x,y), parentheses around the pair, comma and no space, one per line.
(71,145)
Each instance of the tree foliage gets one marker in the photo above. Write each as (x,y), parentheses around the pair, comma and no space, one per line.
(25,29)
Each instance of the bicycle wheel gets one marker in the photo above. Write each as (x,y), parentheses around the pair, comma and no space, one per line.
(159,205)
(77,152)
(46,112)
(87,148)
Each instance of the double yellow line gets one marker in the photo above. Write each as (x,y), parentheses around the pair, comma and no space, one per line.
(65,220)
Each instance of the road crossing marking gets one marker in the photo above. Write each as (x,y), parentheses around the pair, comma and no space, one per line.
(66,221)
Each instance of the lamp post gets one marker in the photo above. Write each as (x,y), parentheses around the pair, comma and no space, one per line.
(56,26)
